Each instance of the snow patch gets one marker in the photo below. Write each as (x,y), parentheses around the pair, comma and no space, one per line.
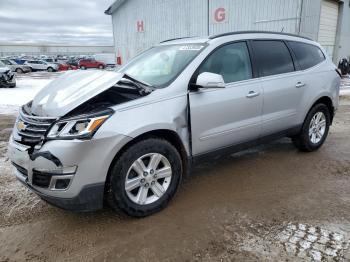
(313,243)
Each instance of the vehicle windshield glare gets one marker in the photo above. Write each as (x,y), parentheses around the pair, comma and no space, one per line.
(160,65)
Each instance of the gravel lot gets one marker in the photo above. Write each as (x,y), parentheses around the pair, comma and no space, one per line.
(270,203)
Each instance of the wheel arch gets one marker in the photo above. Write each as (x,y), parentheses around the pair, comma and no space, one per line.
(328,102)
(169,135)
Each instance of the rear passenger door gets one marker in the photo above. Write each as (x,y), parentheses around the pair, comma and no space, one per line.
(282,85)
(41,65)
(33,64)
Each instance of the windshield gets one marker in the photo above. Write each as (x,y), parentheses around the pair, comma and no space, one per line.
(162,64)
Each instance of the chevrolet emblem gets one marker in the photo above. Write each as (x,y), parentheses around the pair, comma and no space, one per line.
(21,126)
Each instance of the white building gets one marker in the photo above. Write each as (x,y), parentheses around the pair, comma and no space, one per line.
(7,49)
(139,24)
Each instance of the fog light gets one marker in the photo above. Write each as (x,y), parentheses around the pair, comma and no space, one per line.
(62,183)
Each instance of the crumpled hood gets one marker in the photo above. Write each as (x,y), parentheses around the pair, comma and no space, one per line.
(71,90)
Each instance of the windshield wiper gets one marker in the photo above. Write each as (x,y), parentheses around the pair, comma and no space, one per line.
(143,88)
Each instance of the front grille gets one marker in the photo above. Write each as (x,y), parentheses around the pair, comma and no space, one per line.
(41,179)
(32,129)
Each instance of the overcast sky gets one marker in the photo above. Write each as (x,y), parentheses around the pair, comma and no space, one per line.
(56,21)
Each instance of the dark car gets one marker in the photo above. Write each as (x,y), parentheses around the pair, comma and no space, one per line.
(73,62)
(20,61)
(7,78)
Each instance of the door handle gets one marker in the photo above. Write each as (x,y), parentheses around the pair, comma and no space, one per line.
(252,94)
(299,84)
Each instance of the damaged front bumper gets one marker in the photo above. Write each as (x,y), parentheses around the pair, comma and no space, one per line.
(70,174)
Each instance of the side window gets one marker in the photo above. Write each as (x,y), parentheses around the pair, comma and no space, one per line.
(306,54)
(232,61)
(273,57)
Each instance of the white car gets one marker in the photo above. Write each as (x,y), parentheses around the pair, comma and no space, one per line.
(39,65)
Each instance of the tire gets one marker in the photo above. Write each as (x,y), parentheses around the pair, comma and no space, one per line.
(49,69)
(101,67)
(83,68)
(19,70)
(310,142)
(119,198)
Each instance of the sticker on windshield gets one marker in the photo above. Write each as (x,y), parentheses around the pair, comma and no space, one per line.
(191,47)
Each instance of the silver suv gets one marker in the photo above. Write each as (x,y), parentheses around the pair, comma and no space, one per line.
(128,137)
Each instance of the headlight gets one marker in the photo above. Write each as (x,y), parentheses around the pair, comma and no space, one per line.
(82,127)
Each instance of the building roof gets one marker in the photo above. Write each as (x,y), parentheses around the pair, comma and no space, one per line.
(113,7)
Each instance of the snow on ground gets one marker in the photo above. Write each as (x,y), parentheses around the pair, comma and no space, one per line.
(28,86)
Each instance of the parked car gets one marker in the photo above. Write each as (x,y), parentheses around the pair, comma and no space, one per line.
(65,67)
(39,65)
(91,63)
(73,62)
(20,69)
(128,137)
(7,78)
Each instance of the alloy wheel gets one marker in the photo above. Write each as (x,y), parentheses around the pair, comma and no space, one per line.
(317,127)
(148,178)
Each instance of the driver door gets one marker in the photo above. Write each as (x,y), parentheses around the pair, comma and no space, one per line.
(223,117)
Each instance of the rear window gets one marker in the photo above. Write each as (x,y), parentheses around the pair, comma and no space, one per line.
(306,54)
(273,57)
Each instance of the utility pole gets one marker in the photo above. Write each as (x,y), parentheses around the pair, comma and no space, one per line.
(300,15)
(208,24)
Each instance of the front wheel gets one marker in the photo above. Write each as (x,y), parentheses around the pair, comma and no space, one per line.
(315,129)
(50,69)
(145,178)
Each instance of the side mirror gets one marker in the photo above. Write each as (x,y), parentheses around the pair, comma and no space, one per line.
(210,80)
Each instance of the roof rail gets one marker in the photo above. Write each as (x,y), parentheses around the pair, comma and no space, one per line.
(179,38)
(256,32)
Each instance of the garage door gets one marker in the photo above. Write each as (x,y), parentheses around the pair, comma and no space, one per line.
(328,25)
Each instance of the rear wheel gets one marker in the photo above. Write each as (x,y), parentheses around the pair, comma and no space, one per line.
(49,69)
(145,178)
(101,67)
(19,71)
(315,129)
(83,68)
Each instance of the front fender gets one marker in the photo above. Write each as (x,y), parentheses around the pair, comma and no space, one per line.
(169,114)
